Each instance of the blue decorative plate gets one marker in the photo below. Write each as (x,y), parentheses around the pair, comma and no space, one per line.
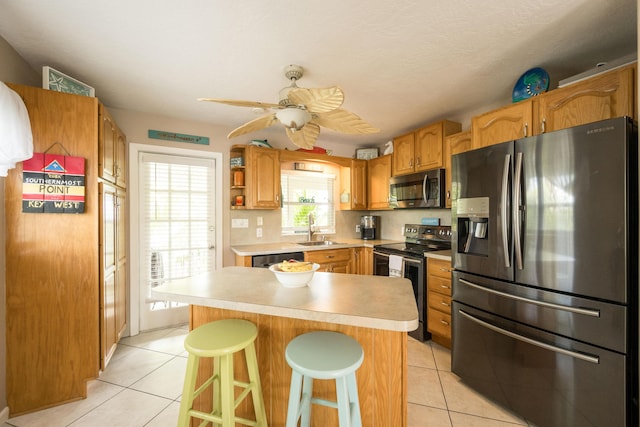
(532,83)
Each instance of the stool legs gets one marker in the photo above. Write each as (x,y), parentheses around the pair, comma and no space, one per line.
(227,394)
(300,405)
(354,405)
(186,402)
(293,409)
(254,380)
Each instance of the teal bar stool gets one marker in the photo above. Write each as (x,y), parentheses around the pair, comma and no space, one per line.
(324,355)
(220,340)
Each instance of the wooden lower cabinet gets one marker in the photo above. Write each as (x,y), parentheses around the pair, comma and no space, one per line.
(439,301)
(331,260)
(382,377)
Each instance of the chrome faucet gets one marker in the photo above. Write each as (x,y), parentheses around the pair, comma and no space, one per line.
(312,221)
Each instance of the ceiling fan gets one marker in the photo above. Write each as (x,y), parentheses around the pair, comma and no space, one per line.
(302,111)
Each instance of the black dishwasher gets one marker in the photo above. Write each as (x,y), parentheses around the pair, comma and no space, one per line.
(264,261)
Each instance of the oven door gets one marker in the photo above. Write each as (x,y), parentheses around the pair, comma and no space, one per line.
(414,270)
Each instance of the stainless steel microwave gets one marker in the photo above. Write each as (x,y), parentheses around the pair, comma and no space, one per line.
(417,190)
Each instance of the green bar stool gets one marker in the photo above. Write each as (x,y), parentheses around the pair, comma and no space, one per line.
(324,355)
(220,340)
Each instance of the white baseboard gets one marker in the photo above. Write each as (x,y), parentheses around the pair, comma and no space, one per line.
(4,414)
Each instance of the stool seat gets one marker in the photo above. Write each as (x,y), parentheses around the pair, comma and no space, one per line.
(324,355)
(219,340)
(220,337)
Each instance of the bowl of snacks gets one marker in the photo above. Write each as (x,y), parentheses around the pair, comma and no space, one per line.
(294,274)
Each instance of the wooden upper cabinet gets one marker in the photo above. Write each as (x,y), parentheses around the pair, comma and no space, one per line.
(429,142)
(598,98)
(379,171)
(358,184)
(454,144)
(403,154)
(505,124)
(263,176)
(422,149)
(112,151)
(121,158)
(609,95)
(107,143)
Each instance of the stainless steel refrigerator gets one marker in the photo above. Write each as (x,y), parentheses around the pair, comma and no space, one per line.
(545,282)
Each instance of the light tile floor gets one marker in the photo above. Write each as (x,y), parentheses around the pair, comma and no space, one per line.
(143,382)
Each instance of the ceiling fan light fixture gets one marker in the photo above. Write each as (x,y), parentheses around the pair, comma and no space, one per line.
(293,118)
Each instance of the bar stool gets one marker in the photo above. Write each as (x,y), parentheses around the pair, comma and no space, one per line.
(324,355)
(220,340)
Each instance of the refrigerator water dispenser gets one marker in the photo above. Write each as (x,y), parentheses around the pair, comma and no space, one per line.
(473,224)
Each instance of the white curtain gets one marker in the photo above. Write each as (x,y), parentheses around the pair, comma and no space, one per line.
(16,140)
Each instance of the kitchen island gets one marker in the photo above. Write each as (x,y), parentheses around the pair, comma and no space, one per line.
(377,311)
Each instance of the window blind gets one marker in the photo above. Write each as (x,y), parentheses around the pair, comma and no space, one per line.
(304,193)
(176,207)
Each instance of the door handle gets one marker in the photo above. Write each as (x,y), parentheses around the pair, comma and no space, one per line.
(575,310)
(503,209)
(515,206)
(574,354)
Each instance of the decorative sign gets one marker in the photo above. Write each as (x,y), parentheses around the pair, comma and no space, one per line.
(178,137)
(55,80)
(53,183)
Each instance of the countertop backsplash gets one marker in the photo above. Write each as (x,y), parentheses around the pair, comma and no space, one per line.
(392,223)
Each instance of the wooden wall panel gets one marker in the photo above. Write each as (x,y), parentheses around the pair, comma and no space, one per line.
(382,378)
(52,266)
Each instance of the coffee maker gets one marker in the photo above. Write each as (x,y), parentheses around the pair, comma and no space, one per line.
(369,227)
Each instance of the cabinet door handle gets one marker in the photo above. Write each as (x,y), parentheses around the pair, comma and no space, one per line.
(543,126)
(526,129)
(418,161)
(445,287)
(445,304)
(330,256)
(447,270)
(444,322)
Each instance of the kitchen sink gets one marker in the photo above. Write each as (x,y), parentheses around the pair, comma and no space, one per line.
(320,243)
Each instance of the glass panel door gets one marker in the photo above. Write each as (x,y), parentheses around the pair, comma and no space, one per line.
(176,229)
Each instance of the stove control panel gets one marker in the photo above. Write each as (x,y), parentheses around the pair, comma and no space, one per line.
(427,232)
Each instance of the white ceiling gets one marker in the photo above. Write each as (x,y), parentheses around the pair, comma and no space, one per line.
(400,63)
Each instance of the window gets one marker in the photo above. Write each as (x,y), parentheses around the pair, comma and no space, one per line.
(304,193)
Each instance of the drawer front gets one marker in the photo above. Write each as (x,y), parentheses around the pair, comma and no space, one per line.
(330,255)
(439,323)
(438,267)
(439,284)
(439,302)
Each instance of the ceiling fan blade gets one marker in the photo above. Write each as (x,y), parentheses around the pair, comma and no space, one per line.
(236,103)
(305,137)
(319,100)
(254,125)
(344,121)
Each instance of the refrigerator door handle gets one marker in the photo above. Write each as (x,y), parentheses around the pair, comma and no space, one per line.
(517,196)
(582,356)
(575,310)
(503,213)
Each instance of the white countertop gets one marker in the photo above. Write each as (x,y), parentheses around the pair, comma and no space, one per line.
(282,247)
(443,255)
(376,302)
